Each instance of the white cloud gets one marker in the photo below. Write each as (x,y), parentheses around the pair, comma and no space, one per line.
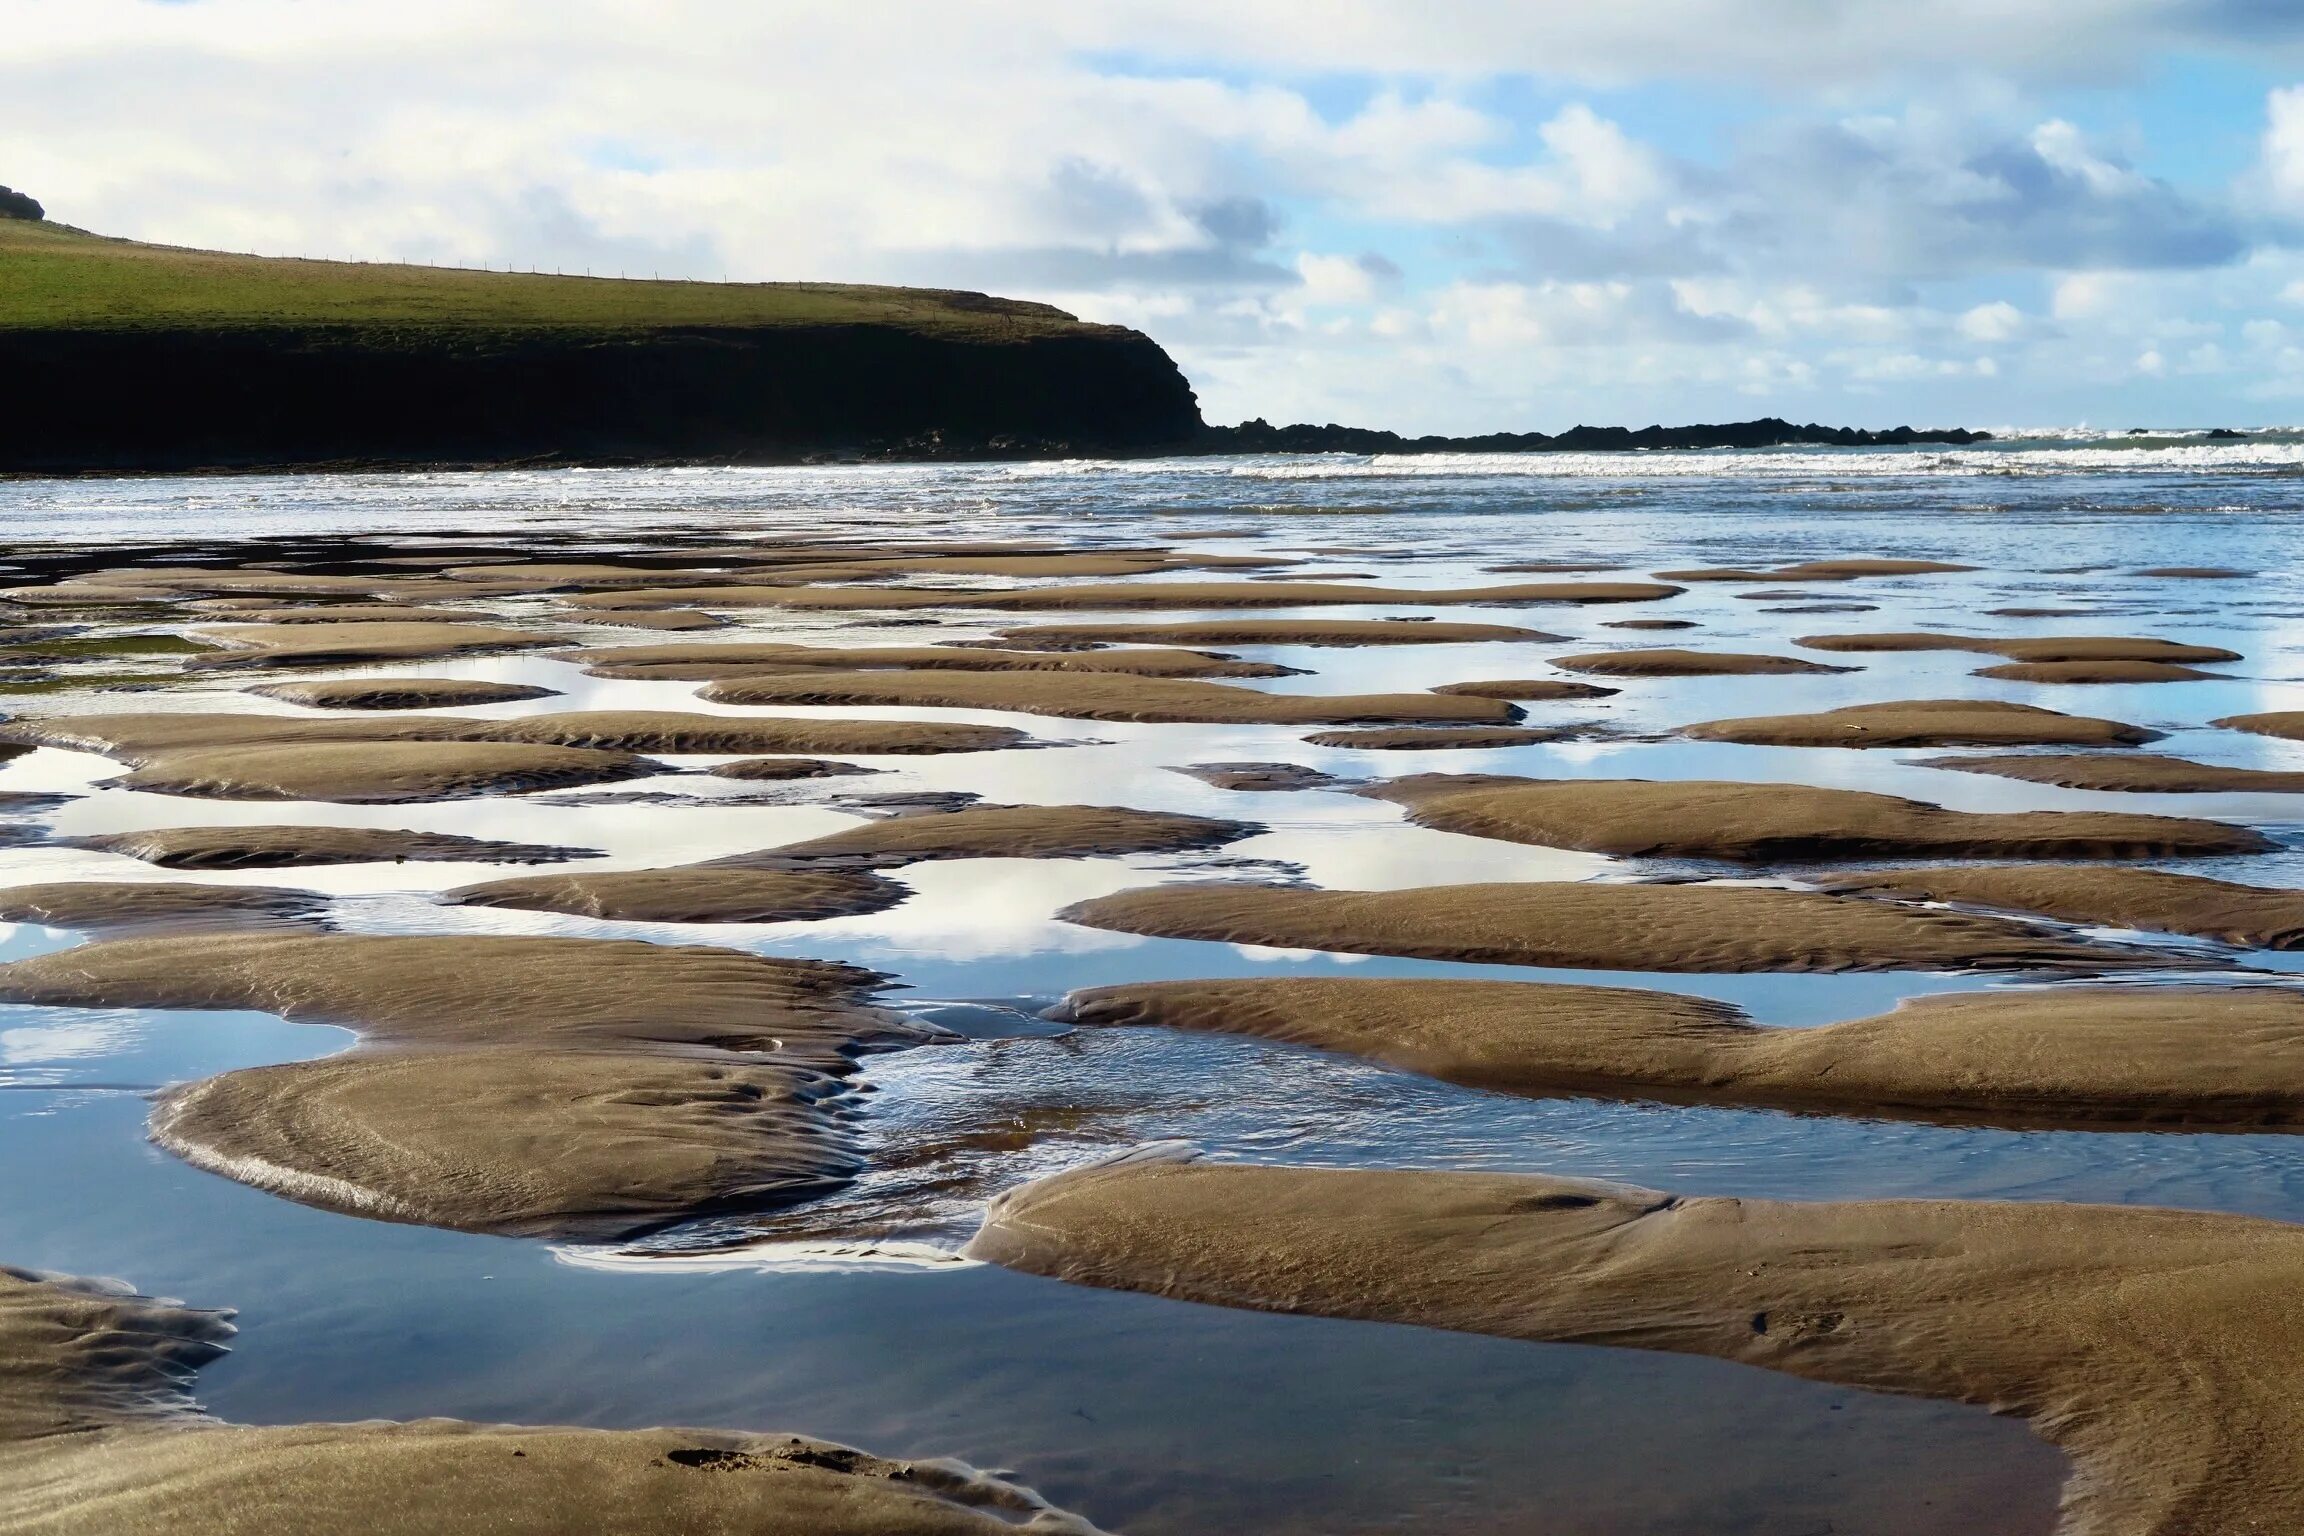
(1996,321)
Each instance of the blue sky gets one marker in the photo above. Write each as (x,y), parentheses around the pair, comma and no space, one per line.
(1481,216)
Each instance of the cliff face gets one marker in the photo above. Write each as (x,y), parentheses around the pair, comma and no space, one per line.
(168,398)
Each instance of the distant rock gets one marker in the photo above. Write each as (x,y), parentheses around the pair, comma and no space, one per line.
(18,205)
(1769,432)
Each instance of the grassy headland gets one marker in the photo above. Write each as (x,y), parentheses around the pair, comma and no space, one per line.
(56,276)
(151,357)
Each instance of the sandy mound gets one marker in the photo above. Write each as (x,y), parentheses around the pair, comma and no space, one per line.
(2196,572)
(97,1438)
(1551,567)
(1099,698)
(275,612)
(1259,777)
(643,730)
(2148,899)
(2137,772)
(1203,594)
(1329,632)
(289,847)
(2287,724)
(2036,649)
(367,773)
(691,894)
(304,645)
(485,989)
(1761,823)
(2161,1349)
(1527,689)
(400,692)
(1815,570)
(133,738)
(1925,723)
(2097,672)
(154,904)
(684,662)
(776,769)
(1431,738)
(525,1086)
(1002,832)
(1666,662)
(2107,1056)
(1651,624)
(1594,927)
(664,619)
(516,1142)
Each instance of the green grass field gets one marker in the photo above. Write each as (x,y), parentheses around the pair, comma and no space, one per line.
(52,276)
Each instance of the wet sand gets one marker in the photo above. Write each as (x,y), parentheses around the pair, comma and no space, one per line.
(2086,1056)
(2128,772)
(399,692)
(1325,632)
(690,894)
(99,1433)
(1002,832)
(1667,662)
(1765,823)
(1096,697)
(2154,1347)
(2148,899)
(1596,927)
(285,847)
(1926,723)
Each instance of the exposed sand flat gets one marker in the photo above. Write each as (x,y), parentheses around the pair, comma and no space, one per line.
(2287,724)
(1531,690)
(711,661)
(400,692)
(512,1141)
(2161,1349)
(691,894)
(1099,697)
(670,619)
(771,769)
(133,738)
(1552,567)
(1668,662)
(644,730)
(2106,1056)
(154,904)
(288,847)
(2034,648)
(1651,624)
(440,991)
(1259,777)
(1426,738)
(2148,899)
(98,1438)
(304,645)
(2131,772)
(1001,832)
(78,594)
(2097,672)
(1592,926)
(356,613)
(377,772)
(1146,594)
(1765,823)
(2196,572)
(1322,632)
(1816,570)
(1925,723)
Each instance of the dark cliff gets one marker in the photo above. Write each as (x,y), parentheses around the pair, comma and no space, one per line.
(161,399)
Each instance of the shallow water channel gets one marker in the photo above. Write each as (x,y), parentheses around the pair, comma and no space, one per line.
(853,1318)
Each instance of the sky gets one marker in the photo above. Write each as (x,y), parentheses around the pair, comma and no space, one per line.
(1454,216)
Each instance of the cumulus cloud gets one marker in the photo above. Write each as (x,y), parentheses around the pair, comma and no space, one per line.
(1330,212)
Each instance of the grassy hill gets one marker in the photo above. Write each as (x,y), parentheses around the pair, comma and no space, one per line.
(52,275)
(153,357)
